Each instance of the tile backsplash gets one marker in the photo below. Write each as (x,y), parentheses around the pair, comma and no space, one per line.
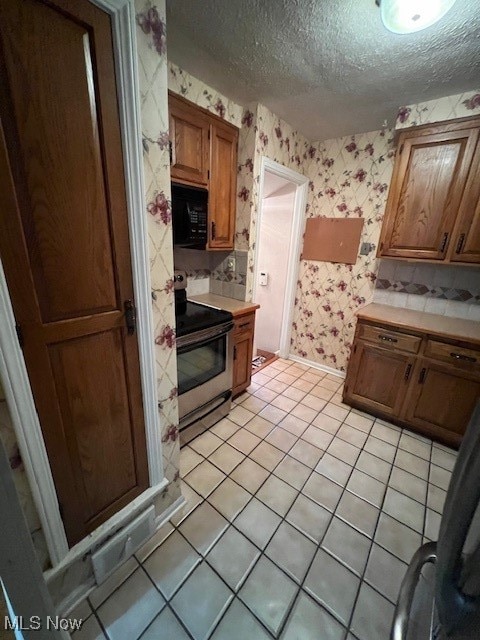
(211,272)
(442,289)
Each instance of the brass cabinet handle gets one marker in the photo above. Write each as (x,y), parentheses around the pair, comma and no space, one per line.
(462,356)
(387,338)
(242,326)
(423,375)
(443,246)
(130,316)
(213,230)
(461,240)
(407,372)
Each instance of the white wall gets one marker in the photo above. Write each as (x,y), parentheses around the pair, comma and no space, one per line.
(273,248)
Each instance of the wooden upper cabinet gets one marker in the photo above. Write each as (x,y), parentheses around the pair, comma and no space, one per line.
(223,185)
(189,140)
(429,183)
(465,246)
(204,153)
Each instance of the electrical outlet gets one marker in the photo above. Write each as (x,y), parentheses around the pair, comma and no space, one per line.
(366,248)
(231,264)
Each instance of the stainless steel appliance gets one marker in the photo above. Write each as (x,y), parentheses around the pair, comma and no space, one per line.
(204,362)
(440,595)
(189,216)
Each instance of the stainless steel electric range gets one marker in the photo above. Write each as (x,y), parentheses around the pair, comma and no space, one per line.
(204,362)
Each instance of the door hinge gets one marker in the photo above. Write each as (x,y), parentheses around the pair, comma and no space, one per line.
(19,331)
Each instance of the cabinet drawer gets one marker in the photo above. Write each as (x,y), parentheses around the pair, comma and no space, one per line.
(244,324)
(452,354)
(387,338)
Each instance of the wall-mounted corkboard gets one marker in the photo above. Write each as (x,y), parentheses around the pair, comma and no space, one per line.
(332,239)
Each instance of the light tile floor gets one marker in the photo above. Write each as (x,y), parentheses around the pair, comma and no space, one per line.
(301,516)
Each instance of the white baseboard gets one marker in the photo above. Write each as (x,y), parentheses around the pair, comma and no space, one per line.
(316,365)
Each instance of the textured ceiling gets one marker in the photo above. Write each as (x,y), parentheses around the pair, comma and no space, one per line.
(327,67)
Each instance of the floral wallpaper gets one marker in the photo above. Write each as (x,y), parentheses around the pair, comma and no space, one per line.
(204,96)
(153,74)
(349,177)
(461,105)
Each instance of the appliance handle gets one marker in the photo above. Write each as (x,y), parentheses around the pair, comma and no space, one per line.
(423,555)
(204,336)
(193,415)
(456,610)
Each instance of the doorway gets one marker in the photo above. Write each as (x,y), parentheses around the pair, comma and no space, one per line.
(280,223)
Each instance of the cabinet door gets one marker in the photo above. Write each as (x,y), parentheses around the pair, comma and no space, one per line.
(466,241)
(442,400)
(428,182)
(377,378)
(223,185)
(242,361)
(189,129)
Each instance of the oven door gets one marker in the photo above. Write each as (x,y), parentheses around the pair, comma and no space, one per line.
(205,371)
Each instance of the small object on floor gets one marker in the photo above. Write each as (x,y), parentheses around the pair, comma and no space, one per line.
(262,359)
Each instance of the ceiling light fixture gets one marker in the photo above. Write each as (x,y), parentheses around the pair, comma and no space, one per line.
(408,16)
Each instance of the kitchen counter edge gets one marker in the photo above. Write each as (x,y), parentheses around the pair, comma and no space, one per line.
(237,308)
(431,323)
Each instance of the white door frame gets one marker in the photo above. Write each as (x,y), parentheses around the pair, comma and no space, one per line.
(12,365)
(296,237)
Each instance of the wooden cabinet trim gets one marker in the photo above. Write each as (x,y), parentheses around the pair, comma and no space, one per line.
(436,127)
(209,114)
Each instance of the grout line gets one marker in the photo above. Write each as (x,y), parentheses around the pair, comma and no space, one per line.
(283,519)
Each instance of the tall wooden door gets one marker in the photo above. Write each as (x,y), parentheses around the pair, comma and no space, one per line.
(65,249)
(426,189)
(223,185)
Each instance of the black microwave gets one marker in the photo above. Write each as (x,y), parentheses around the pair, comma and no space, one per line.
(189,216)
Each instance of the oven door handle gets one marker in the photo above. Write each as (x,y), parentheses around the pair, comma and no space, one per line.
(203,336)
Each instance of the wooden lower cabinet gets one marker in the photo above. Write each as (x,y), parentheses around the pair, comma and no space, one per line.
(441,399)
(243,334)
(382,377)
(431,386)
